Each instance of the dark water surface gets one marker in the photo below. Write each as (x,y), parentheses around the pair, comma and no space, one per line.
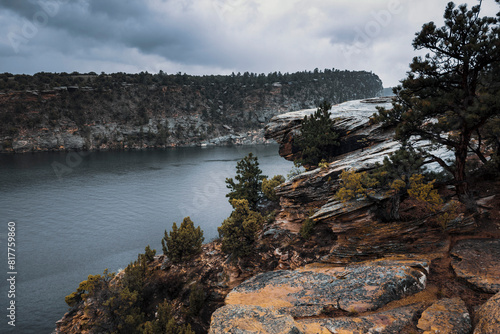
(77,214)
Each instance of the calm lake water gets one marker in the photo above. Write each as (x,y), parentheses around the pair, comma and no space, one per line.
(77,214)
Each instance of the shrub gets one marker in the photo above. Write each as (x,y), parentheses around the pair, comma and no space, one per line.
(196,300)
(183,242)
(307,228)
(239,230)
(269,185)
(165,322)
(323,164)
(88,286)
(354,184)
(424,192)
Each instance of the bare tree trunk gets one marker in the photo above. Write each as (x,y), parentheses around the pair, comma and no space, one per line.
(461,185)
(395,202)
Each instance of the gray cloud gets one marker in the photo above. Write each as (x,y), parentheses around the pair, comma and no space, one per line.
(212,36)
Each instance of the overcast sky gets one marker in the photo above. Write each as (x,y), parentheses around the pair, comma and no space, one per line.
(214,36)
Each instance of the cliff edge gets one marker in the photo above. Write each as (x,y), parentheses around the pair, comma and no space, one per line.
(355,273)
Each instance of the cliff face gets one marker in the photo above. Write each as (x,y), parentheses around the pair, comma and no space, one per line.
(356,273)
(120,111)
(352,120)
(362,146)
(370,276)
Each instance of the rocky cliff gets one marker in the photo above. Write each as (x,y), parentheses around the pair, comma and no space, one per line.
(53,112)
(411,289)
(356,273)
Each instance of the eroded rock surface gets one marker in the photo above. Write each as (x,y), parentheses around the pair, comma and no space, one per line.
(351,119)
(488,317)
(354,288)
(244,319)
(271,299)
(312,194)
(478,262)
(446,316)
(388,322)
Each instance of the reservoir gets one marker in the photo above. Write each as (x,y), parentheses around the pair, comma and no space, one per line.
(77,214)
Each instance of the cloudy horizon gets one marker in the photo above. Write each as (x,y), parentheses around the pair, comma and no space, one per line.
(215,36)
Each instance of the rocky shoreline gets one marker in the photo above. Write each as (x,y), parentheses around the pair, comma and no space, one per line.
(57,142)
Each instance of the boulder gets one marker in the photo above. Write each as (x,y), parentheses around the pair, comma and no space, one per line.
(388,322)
(488,317)
(478,262)
(22,145)
(355,288)
(244,319)
(446,316)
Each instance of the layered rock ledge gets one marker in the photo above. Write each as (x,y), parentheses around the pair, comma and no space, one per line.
(478,262)
(284,301)
(359,234)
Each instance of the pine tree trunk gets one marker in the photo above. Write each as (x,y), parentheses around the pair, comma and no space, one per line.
(461,185)
(395,202)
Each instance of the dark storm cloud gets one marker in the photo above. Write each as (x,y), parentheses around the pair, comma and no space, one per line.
(212,36)
(129,24)
(22,8)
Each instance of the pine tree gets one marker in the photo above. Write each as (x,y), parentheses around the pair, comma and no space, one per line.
(318,137)
(450,96)
(184,242)
(248,183)
(238,232)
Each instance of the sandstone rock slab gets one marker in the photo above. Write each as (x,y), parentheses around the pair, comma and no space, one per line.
(243,319)
(388,322)
(446,316)
(488,317)
(478,262)
(354,288)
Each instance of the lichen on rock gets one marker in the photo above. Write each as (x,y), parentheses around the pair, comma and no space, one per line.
(446,316)
(310,290)
(478,262)
(488,317)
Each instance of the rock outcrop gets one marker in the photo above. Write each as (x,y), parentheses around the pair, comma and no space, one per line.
(312,194)
(252,319)
(388,322)
(488,317)
(355,288)
(343,295)
(273,298)
(352,122)
(478,262)
(446,316)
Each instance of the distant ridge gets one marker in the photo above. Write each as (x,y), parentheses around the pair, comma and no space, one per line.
(61,111)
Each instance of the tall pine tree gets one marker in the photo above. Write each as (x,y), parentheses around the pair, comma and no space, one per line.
(450,95)
(248,184)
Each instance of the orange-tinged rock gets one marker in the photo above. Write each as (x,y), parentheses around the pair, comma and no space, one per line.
(478,262)
(354,288)
(446,316)
(387,322)
(245,319)
(488,317)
